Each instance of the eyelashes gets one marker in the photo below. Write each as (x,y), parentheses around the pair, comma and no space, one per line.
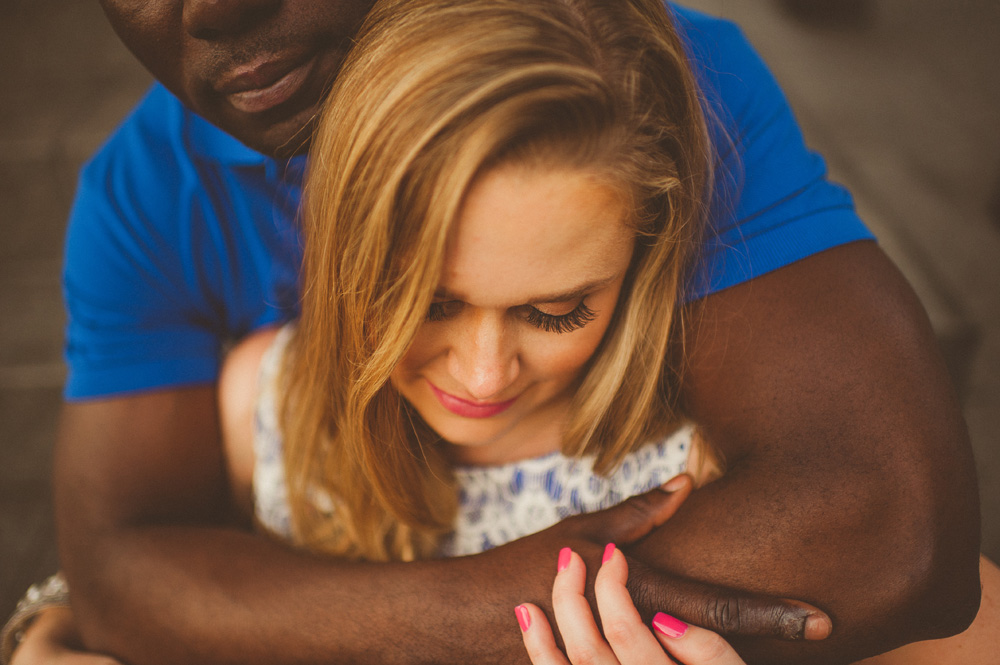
(563,323)
(439,311)
(554,323)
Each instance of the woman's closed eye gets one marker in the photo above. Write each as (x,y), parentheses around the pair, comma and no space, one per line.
(580,316)
(439,311)
(560,323)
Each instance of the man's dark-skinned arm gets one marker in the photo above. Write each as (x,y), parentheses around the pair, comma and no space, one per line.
(159,577)
(851,481)
(161,574)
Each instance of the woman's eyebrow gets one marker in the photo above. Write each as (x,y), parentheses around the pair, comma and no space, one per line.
(574,293)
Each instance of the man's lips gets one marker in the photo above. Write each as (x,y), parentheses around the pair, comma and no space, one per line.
(262,86)
(469,409)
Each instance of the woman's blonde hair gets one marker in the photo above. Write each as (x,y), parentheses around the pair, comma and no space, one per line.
(434,94)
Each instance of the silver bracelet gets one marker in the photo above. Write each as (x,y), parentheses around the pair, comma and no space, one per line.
(53,592)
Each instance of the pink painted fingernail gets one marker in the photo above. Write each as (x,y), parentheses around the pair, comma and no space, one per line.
(668,625)
(523,618)
(609,552)
(564,555)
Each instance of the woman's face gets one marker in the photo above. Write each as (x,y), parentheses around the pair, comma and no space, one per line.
(532,274)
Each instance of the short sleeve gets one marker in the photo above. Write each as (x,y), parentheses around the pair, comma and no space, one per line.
(171,255)
(773,203)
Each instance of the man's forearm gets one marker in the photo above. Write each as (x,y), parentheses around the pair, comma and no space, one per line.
(224,596)
(849,489)
(176,594)
(851,483)
(157,576)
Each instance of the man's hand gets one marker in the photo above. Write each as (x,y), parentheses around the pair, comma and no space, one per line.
(159,590)
(628,523)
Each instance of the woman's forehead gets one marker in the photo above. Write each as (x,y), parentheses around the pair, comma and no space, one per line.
(527,234)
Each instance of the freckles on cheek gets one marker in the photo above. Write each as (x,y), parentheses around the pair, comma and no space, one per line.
(422,350)
(570,356)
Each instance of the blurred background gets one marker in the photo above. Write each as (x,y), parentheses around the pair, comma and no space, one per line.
(901,96)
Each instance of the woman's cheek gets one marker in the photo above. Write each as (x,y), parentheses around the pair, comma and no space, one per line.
(427,345)
(569,355)
(575,351)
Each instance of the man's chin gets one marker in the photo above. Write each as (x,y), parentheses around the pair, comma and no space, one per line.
(283,142)
(283,139)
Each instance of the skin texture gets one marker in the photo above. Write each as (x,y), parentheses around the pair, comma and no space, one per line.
(979,644)
(523,236)
(821,384)
(255,68)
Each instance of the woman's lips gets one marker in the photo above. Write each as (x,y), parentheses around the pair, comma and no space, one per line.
(262,88)
(467,409)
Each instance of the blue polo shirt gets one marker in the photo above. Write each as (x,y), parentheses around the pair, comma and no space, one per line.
(181,239)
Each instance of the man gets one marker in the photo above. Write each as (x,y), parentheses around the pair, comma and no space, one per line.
(850,482)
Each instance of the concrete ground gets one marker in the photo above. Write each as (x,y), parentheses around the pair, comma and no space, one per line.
(904,104)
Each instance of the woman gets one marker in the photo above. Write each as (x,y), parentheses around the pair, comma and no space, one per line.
(498,304)
(503,207)
(545,169)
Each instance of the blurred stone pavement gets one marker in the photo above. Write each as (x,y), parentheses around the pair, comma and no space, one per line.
(904,103)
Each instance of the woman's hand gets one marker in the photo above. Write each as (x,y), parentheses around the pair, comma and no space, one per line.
(626,640)
(52,639)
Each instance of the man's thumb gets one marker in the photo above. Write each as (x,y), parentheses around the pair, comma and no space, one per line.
(638,515)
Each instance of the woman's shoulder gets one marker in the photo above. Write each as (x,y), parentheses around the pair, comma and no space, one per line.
(248,370)
(238,379)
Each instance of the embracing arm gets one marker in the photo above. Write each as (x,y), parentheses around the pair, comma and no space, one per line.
(163,570)
(160,575)
(850,486)
(851,482)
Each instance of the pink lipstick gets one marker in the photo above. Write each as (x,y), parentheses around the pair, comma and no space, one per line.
(467,409)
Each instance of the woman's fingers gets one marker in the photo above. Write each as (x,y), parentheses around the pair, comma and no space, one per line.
(581,638)
(692,645)
(52,639)
(537,636)
(631,640)
(626,640)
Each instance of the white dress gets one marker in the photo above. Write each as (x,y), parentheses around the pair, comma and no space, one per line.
(497,504)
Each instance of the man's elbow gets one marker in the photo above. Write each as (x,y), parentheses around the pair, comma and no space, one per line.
(937,571)
(951,597)
(923,543)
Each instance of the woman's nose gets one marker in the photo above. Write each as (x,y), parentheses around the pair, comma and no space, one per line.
(483,358)
(211,19)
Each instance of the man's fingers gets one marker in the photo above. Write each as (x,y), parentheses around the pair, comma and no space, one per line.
(726,611)
(636,516)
